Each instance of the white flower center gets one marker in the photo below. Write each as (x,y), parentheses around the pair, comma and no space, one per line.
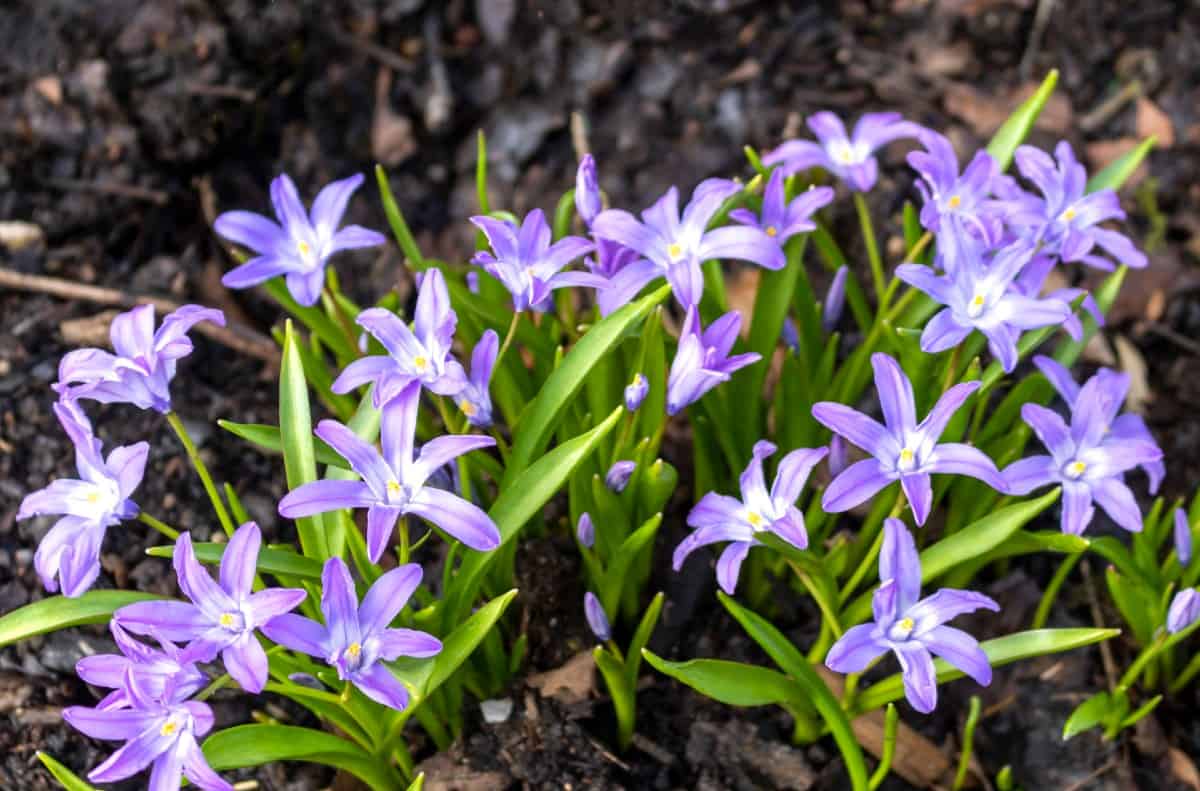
(1075,469)
(675,251)
(844,153)
(976,305)
(954,202)
(902,629)
(755,519)
(1068,215)
(907,460)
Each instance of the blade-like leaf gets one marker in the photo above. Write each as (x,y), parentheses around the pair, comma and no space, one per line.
(1087,715)
(1001,651)
(732,683)
(295,427)
(59,612)
(1113,176)
(270,561)
(62,774)
(543,413)
(1014,131)
(252,745)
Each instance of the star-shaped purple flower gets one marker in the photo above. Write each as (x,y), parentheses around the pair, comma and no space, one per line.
(358,639)
(161,734)
(301,243)
(420,354)
(394,483)
(719,517)
(849,157)
(903,449)
(140,372)
(525,261)
(979,295)
(675,246)
(780,219)
(168,675)
(475,400)
(89,505)
(220,618)
(1089,457)
(702,359)
(914,630)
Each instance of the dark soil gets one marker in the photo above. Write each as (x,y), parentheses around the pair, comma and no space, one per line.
(123,123)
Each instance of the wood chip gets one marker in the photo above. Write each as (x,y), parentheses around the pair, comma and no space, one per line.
(1133,364)
(88,331)
(1151,120)
(571,683)
(17,235)
(1183,768)
(50,88)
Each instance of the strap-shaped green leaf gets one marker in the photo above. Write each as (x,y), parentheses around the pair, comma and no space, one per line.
(266,438)
(1120,169)
(270,561)
(59,612)
(63,775)
(1091,713)
(252,745)
(1001,651)
(1014,131)
(295,427)
(732,683)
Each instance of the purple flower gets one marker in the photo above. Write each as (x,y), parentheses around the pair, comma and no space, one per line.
(420,354)
(835,300)
(1183,537)
(849,157)
(596,617)
(1065,220)
(357,639)
(394,483)
(609,257)
(981,296)
(140,372)
(1184,610)
(790,335)
(167,676)
(1115,386)
(1088,459)
(902,449)
(635,391)
(702,360)
(913,630)
(676,246)
(585,531)
(1031,281)
(475,400)
(221,618)
(779,219)
(526,263)
(300,244)
(839,455)
(162,734)
(963,201)
(588,200)
(719,517)
(618,475)
(89,505)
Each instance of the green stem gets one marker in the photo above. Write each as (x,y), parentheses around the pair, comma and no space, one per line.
(1189,672)
(1056,582)
(161,527)
(873,257)
(202,471)
(403,551)
(512,331)
(891,723)
(964,759)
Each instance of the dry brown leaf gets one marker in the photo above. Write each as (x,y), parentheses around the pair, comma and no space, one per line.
(392,139)
(1134,365)
(88,331)
(571,683)
(443,773)
(742,290)
(1151,120)
(985,113)
(1183,768)
(50,88)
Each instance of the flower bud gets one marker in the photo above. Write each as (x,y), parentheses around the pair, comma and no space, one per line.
(635,392)
(1184,610)
(587,190)
(838,455)
(618,476)
(835,300)
(1183,537)
(586,531)
(596,617)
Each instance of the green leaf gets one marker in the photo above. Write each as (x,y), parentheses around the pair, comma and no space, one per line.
(616,576)
(623,694)
(271,561)
(395,219)
(560,388)
(313,318)
(1141,712)
(253,745)
(731,683)
(1113,176)
(59,612)
(267,438)
(1014,131)
(792,662)
(295,425)
(1001,651)
(1087,715)
(641,636)
(418,783)
(63,775)
(462,641)
(520,502)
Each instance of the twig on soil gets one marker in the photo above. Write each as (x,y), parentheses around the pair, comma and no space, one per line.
(235,336)
(604,753)
(1106,657)
(1082,783)
(157,197)
(653,750)
(1041,18)
(385,56)
(1110,106)
(1182,341)
(579,135)
(221,91)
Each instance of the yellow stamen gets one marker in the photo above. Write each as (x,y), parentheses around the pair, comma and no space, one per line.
(304,249)
(420,363)
(226,619)
(954,202)
(169,727)
(394,487)
(906,456)
(675,251)
(1069,214)
(977,301)
(353,650)
(93,497)
(755,519)
(907,624)
(1076,468)
(772,231)
(467,408)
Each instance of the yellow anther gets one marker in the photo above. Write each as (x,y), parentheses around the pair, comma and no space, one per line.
(954,202)
(353,650)
(906,456)
(226,619)
(169,727)
(907,624)
(772,231)
(467,408)
(93,497)
(1076,468)
(420,363)
(304,249)
(977,301)
(1069,214)
(675,250)
(755,518)
(394,487)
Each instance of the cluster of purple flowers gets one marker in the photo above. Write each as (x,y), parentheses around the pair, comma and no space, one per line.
(139,373)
